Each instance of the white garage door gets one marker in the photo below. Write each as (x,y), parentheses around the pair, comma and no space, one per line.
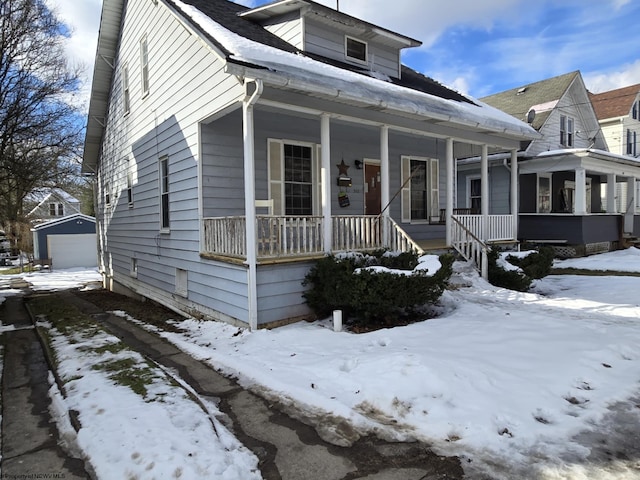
(68,251)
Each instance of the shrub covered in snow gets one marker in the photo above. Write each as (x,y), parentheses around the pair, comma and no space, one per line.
(376,288)
(517,270)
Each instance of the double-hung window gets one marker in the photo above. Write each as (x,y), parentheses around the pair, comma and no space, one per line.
(631,143)
(164,193)
(126,94)
(566,131)
(129,164)
(298,180)
(144,64)
(56,209)
(544,193)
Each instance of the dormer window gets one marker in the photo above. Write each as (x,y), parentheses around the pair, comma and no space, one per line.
(355,49)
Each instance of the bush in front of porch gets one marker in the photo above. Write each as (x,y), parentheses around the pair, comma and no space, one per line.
(521,269)
(368,296)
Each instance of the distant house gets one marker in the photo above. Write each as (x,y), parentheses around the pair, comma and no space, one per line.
(44,204)
(618,112)
(233,146)
(567,177)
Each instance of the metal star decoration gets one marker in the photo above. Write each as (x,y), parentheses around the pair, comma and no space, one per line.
(343,167)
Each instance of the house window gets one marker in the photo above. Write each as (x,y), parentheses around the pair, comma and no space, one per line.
(568,196)
(474,187)
(355,49)
(566,131)
(56,209)
(164,193)
(130,183)
(182,282)
(298,180)
(133,271)
(125,89)
(144,62)
(544,193)
(631,143)
(421,196)
(635,111)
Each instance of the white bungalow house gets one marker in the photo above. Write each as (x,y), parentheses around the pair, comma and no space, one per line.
(567,177)
(232,146)
(43,204)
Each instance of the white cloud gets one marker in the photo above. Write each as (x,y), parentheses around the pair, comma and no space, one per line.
(601,82)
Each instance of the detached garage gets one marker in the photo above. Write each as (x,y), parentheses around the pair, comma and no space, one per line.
(69,242)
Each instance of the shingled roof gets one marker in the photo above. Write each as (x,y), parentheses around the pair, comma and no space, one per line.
(226,13)
(614,103)
(539,95)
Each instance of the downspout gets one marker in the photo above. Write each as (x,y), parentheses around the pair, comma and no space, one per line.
(248,102)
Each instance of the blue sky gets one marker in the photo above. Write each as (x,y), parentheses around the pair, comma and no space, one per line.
(479,47)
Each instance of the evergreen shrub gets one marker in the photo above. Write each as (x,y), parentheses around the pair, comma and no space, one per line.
(368,296)
(532,267)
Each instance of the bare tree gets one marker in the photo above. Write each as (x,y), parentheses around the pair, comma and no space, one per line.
(40,130)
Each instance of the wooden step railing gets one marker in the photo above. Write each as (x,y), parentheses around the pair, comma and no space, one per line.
(469,246)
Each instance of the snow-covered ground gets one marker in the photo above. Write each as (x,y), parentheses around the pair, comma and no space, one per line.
(509,381)
(500,378)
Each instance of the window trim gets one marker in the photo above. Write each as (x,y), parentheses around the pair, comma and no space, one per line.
(164,194)
(361,61)
(471,178)
(144,65)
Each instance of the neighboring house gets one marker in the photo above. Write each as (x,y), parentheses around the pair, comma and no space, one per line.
(50,203)
(618,112)
(66,242)
(567,178)
(232,146)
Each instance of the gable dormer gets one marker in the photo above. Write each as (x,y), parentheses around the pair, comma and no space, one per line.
(318,30)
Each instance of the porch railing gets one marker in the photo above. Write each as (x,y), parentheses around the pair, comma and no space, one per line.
(282,236)
(499,227)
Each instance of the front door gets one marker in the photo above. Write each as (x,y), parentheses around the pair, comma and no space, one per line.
(372,189)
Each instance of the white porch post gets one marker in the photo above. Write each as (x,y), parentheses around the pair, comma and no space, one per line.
(450,189)
(325,174)
(484,203)
(384,182)
(631,205)
(484,191)
(581,192)
(250,200)
(611,193)
(514,192)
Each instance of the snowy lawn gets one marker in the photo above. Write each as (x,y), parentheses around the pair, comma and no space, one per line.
(500,377)
(136,421)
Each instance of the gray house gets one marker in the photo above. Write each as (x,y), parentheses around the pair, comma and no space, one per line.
(569,183)
(232,146)
(44,204)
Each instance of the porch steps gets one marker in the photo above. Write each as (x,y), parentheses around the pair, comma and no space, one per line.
(437,245)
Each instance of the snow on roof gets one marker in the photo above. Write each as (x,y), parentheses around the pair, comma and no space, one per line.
(602,153)
(349,85)
(41,194)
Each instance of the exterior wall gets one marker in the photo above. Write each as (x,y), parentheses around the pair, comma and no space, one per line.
(499,188)
(289,28)
(615,135)
(280,292)
(570,105)
(324,40)
(186,84)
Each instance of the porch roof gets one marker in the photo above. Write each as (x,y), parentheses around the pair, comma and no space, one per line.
(593,160)
(248,54)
